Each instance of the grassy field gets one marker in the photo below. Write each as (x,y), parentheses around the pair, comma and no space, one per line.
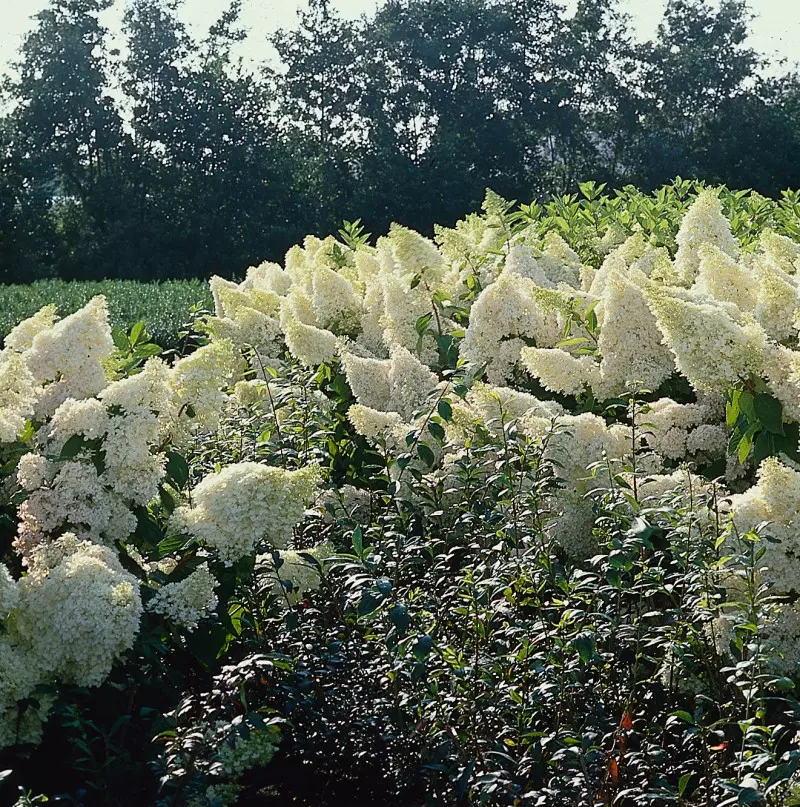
(165,307)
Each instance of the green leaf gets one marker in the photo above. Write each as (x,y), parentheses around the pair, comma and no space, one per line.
(763,447)
(358,541)
(72,447)
(146,350)
(437,430)
(683,782)
(422,323)
(746,406)
(769,413)
(368,603)
(400,618)
(137,334)
(746,443)
(172,543)
(732,408)
(120,339)
(584,644)
(425,453)
(445,410)
(177,470)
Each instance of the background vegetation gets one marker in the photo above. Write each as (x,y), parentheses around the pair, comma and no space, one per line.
(166,306)
(170,159)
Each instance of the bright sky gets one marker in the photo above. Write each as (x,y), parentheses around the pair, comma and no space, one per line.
(775,31)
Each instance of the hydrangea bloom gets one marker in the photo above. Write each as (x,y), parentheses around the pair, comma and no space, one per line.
(721,278)
(777,302)
(506,313)
(9,592)
(559,371)
(307,343)
(17,396)
(711,349)
(400,384)
(704,223)
(79,614)
(244,504)
(780,249)
(415,255)
(630,343)
(187,601)
(21,337)
(302,575)
(774,499)
(69,356)
(197,381)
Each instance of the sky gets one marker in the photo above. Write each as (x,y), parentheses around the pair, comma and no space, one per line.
(775,31)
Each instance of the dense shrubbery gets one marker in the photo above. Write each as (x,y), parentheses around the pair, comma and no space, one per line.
(166,307)
(550,552)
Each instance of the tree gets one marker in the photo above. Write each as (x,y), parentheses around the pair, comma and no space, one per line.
(698,62)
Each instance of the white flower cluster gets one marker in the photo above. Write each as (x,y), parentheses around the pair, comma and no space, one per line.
(234,510)
(774,500)
(69,619)
(187,601)
(97,454)
(677,431)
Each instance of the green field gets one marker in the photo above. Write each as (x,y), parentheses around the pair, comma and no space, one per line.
(165,307)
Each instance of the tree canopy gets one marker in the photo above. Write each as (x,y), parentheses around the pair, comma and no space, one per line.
(170,158)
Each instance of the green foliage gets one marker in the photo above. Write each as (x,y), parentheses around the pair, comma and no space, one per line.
(165,307)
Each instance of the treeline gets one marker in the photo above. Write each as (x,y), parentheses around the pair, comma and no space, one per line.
(169,158)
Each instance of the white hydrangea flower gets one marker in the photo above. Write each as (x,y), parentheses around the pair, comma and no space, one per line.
(559,371)
(293,568)
(402,308)
(495,404)
(704,223)
(655,486)
(79,615)
(559,262)
(783,635)
(781,250)
(778,300)
(506,313)
(269,277)
(197,380)
(35,471)
(400,384)
(17,396)
(630,343)
(254,751)
(21,337)
(250,393)
(337,306)
(85,418)
(9,592)
(71,353)
(774,499)
(307,343)
(782,371)
(415,255)
(721,278)
(711,349)
(520,261)
(245,503)
(374,424)
(19,676)
(187,601)
(676,430)
(573,523)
